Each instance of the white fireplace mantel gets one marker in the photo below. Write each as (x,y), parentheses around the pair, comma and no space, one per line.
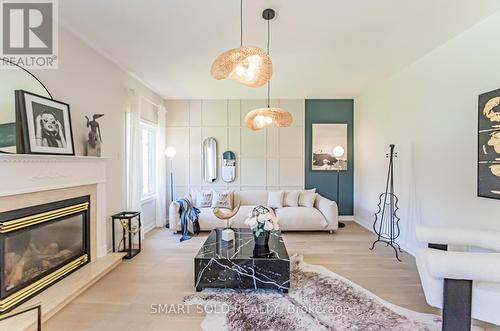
(27,173)
(30,173)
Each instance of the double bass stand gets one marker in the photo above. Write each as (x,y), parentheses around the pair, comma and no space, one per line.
(386,224)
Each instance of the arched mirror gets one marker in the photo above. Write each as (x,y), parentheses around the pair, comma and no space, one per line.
(13,78)
(210,160)
(228,172)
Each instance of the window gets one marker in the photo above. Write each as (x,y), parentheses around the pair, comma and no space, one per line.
(148,147)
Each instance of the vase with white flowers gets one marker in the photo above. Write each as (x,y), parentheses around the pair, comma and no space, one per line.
(262,222)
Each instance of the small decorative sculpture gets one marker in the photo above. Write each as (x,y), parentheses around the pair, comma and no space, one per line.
(95,138)
(227,234)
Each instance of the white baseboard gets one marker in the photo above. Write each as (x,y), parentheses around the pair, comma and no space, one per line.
(346,218)
(149,228)
(369,226)
(365,224)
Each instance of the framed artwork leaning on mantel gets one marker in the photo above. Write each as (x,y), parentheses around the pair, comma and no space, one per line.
(44,125)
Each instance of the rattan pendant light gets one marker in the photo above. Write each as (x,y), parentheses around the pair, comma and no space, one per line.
(248,65)
(262,117)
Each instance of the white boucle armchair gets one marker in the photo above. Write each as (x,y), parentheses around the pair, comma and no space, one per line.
(464,284)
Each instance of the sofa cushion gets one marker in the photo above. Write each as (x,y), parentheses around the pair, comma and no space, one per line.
(307,199)
(251,198)
(222,199)
(238,220)
(202,199)
(292,199)
(300,218)
(209,221)
(275,199)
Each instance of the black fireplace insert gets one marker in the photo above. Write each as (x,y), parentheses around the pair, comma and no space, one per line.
(40,245)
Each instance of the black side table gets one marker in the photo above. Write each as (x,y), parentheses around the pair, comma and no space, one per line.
(128,216)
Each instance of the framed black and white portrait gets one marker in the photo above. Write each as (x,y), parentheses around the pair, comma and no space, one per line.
(45,125)
(488,168)
(329,146)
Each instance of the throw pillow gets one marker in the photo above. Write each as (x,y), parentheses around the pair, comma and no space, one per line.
(292,198)
(203,199)
(222,199)
(275,199)
(307,199)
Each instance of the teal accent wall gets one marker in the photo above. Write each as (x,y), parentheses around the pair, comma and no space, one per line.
(331,111)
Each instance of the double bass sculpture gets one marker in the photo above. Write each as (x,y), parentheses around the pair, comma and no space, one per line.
(386,224)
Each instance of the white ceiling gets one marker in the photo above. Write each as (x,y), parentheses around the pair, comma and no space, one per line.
(320,48)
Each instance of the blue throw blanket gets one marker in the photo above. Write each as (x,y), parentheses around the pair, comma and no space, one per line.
(188,213)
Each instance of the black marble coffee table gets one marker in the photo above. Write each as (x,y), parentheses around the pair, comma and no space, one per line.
(240,264)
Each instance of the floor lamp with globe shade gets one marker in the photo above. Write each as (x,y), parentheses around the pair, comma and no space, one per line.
(338,152)
(170,152)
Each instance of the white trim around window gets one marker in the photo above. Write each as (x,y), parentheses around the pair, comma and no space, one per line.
(148,160)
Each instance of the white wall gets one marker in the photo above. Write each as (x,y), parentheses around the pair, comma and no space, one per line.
(429,110)
(90,84)
(272,158)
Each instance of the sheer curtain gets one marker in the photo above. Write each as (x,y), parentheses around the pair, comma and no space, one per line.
(161,180)
(133,157)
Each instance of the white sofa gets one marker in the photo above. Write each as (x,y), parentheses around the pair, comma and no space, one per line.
(323,217)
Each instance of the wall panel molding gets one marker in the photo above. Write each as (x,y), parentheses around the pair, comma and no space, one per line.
(271,159)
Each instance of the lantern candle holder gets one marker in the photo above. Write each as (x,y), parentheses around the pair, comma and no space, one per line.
(130,222)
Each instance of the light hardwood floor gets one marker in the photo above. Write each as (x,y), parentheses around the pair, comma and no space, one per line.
(163,274)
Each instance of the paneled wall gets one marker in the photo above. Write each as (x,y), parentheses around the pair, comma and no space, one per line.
(270,159)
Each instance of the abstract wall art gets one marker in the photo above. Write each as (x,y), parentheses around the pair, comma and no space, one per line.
(327,140)
(489,145)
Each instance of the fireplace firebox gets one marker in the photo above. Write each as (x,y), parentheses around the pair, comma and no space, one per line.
(40,245)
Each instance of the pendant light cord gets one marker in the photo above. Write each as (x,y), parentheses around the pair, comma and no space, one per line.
(241,23)
(268,36)
(268,52)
